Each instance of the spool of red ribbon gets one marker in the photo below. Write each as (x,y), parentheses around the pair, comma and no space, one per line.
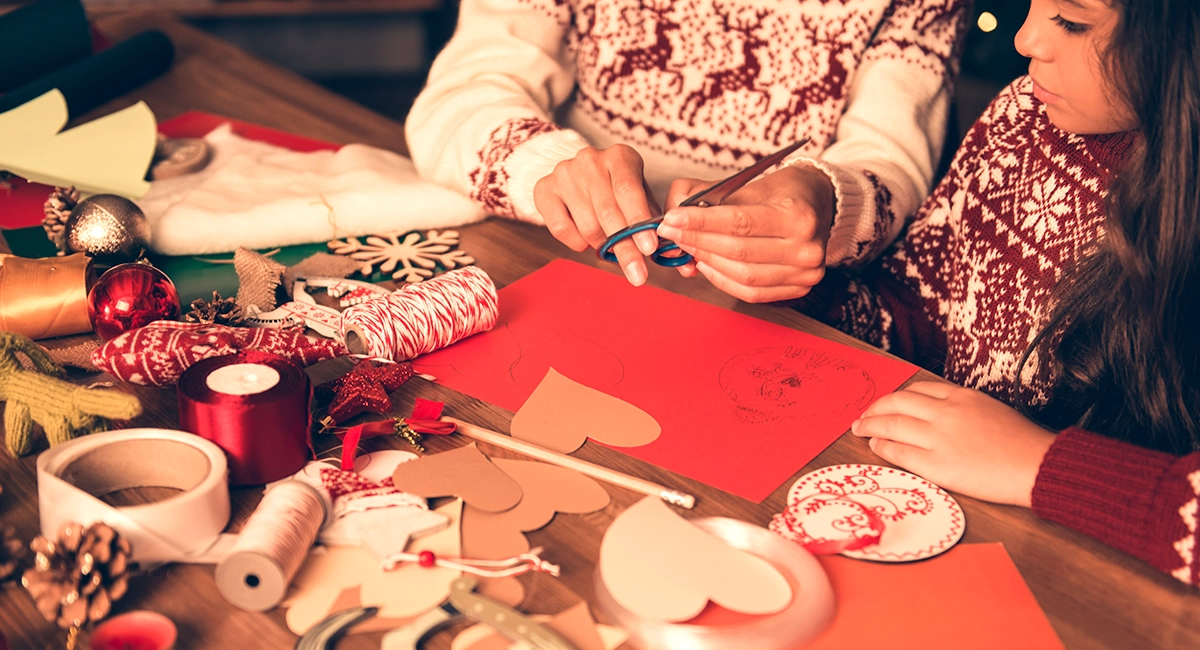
(255,406)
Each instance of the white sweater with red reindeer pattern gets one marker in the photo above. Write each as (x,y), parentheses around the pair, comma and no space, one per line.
(699,88)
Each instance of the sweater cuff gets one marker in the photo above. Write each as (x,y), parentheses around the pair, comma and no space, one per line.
(532,161)
(853,225)
(1101,487)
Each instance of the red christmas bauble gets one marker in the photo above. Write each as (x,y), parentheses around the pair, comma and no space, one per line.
(129,296)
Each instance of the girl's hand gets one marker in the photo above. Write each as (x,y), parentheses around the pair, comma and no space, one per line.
(766,242)
(595,194)
(959,438)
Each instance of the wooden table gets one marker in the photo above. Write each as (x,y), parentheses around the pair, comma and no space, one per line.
(1094,596)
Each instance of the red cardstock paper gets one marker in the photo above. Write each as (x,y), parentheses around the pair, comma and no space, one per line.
(21,205)
(972,596)
(743,403)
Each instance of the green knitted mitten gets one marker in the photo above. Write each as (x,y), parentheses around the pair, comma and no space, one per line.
(64,410)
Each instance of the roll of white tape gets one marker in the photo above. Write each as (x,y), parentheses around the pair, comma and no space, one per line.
(185,527)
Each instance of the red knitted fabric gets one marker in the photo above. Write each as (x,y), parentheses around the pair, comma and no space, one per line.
(966,291)
(1022,202)
(157,354)
(1141,501)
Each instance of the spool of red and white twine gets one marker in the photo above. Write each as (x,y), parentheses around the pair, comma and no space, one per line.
(422,317)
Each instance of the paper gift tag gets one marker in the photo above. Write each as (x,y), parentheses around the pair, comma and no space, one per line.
(920,519)
(406,591)
(562,414)
(658,565)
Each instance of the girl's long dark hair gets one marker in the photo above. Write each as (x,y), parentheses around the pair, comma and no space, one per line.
(1124,330)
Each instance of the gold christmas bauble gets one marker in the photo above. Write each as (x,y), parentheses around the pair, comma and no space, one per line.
(109,227)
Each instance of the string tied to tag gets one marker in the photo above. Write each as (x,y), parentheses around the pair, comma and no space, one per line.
(513,566)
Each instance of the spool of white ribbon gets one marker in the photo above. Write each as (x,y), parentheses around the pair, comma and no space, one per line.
(185,527)
(811,610)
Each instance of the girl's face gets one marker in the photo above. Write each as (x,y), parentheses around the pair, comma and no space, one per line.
(1065,40)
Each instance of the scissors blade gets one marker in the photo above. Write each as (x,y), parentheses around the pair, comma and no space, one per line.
(716,194)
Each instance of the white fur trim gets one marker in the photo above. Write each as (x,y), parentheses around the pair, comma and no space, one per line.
(257,195)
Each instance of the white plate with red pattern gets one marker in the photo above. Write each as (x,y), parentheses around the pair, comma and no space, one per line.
(870,512)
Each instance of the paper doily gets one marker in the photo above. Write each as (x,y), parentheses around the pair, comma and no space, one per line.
(921,519)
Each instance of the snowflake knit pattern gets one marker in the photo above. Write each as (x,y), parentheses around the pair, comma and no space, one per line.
(968,288)
(1023,202)
(157,354)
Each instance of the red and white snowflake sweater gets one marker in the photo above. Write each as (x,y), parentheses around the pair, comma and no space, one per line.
(966,290)
(699,88)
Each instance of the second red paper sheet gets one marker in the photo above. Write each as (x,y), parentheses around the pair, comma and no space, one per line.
(743,403)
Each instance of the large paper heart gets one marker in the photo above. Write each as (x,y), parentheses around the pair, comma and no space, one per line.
(658,566)
(545,489)
(561,414)
(464,472)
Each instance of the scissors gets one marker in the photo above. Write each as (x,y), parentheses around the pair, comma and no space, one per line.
(668,253)
(526,633)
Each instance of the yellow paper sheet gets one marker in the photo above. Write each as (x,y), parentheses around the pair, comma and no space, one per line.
(107,155)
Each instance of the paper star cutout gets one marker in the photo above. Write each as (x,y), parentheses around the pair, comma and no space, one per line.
(365,389)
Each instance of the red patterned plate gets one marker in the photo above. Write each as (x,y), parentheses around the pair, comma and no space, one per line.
(843,507)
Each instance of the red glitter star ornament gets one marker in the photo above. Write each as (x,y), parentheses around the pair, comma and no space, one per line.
(364,389)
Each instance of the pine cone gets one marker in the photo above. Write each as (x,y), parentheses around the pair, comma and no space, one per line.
(222,311)
(57,210)
(76,579)
(12,551)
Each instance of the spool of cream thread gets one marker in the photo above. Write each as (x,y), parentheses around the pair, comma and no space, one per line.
(271,546)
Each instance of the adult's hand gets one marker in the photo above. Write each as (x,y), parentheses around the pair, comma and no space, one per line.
(958,438)
(766,242)
(595,194)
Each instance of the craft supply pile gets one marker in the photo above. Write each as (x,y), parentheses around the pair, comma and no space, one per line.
(186,263)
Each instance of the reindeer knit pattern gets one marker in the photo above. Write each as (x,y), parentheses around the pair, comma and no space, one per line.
(967,288)
(699,88)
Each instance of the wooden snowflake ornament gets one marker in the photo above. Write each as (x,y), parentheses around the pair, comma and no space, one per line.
(407,257)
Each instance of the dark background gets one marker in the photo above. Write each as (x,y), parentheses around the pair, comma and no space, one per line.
(380,60)
(378,52)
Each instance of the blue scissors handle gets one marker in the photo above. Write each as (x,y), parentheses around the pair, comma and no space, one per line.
(661,256)
(668,252)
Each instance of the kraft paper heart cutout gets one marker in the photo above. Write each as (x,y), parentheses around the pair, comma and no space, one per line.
(465,473)
(659,566)
(406,591)
(561,414)
(546,489)
(575,624)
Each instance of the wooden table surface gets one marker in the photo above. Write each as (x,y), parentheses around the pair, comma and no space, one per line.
(1094,596)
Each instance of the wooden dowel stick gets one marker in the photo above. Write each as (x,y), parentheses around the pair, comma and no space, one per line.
(562,460)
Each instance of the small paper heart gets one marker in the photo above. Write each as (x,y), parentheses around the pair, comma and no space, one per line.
(561,414)
(659,566)
(464,472)
(546,489)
